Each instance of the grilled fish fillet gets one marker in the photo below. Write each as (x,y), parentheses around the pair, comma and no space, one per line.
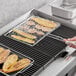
(11,60)
(4,55)
(44,22)
(23,39)
(24,34)
(19,65)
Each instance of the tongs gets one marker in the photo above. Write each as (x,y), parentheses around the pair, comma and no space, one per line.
(62,39)
(70,50)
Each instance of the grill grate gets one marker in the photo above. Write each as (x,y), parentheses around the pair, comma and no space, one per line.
(50,46)
(35,53)
(65,32)
(40,58)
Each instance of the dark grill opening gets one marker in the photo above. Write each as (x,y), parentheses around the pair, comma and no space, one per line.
(50,46)
(65,32)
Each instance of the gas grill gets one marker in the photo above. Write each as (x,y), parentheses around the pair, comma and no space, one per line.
(44,52)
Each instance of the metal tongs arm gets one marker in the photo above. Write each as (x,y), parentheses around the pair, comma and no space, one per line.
(56,37)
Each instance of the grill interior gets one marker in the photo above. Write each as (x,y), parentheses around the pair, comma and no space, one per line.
(43,52)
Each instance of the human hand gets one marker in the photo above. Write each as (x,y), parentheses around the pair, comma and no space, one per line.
(71,39)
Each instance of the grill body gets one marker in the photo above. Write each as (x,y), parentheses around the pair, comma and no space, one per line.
(44,52)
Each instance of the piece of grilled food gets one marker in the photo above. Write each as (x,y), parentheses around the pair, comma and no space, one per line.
(23,63)
(23,39)
(27,35)
(11,60)
(3,55)
(1,50)
(44,22)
